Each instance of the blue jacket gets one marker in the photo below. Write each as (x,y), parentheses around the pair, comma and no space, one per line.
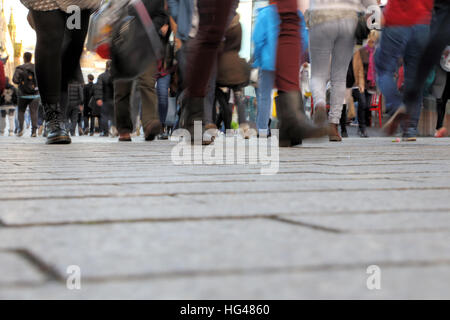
(265,37)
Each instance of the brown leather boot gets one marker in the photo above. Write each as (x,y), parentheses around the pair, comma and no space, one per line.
(334,133)
(294,125)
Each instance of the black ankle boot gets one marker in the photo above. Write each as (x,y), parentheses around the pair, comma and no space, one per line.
(54,125)
(294,125)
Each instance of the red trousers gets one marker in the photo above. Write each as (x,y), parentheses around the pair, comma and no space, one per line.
(288,52)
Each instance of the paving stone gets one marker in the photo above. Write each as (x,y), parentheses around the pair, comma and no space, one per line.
(219,205)
(148,248)
(396,283)
(141,227)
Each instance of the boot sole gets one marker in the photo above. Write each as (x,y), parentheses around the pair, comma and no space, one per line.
(59,140)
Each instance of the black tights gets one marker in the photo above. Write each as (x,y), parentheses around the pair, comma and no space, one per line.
(442,103)
(58,52)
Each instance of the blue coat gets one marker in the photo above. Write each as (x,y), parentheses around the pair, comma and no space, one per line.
(265,37)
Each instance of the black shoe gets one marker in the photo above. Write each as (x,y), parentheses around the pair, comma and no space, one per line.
(363,133)
(104,134)
(344,133)
(294,126)
(152,129)
(164,135)
(54,125)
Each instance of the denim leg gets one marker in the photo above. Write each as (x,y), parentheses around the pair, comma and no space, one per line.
(162,89)
(392,47)
(413,53)
(266,83)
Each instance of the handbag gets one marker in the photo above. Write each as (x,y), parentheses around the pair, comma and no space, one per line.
(135,42)
(362,31)
(101,24)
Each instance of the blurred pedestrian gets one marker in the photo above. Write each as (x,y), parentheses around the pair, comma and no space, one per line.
(25,78)
(58,49)
(104,97)
(8,103)
(365,80)
(146,83)
(74,106)
(89,105)
(332,25)
(265,38)
(405,36)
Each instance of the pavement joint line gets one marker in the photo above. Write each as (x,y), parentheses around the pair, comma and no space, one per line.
(255,172)
(190,181)
(286,216)
(168,194)
(170,275)
(307,225)
(132,221)
(49,272)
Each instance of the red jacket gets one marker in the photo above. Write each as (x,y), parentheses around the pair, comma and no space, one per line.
(408,12)
(2,77)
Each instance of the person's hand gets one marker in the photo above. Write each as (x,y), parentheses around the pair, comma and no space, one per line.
(164,29)
(99,102)
(361,89)
(81,108)
(178,44)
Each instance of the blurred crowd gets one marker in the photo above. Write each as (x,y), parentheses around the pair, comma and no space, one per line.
(324,66)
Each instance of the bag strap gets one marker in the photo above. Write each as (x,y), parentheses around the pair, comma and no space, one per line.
(149,28)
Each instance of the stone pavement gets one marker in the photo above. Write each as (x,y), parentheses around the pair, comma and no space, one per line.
(139,226)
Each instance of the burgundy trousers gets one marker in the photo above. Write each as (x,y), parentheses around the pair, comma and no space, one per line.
(289,48)
(204,48)
(214,15)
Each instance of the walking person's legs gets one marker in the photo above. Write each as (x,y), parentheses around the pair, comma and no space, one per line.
(2,122)
(150,117)
(34,109)
(203,50)
(122,94)
(341,56)
(429,57)
(162,89)
(294,125)
(22,107)
(50,27)
(11,119)
(264,95)
(392,47)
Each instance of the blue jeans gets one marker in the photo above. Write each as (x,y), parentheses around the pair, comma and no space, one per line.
(400,42)
(264,96)
(162,89)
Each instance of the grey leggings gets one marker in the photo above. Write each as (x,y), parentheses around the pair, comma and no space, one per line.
(331,48)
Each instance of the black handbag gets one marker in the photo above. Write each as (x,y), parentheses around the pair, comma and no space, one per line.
(135,43)
(362,31)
